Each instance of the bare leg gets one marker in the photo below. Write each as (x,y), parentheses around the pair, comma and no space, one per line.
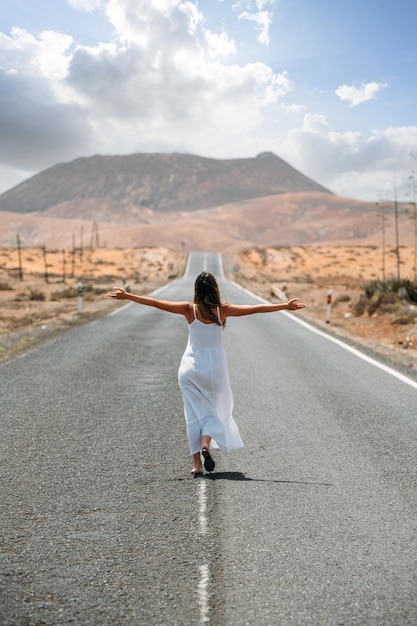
(198,467)
(205,441)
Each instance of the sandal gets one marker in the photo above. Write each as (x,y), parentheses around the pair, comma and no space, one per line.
(209,463)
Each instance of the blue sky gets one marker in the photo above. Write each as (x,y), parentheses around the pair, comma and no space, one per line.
(330,87)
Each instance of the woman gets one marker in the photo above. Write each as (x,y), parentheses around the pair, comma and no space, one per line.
(203,375)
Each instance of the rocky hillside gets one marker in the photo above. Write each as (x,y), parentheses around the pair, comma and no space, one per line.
(116,187)
(184,201)
(279,220)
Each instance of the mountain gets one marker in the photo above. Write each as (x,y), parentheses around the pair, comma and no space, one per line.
(119,187)
(178,200)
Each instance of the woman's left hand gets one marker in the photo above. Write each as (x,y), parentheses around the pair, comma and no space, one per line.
(294,304)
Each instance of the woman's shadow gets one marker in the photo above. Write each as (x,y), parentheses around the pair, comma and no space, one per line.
(239,476)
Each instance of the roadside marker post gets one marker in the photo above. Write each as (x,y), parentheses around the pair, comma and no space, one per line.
(80,297)
(329,306)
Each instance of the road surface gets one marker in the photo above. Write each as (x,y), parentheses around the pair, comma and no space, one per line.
(313,522)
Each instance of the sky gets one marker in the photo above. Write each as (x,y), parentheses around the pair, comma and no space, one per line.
(330,87)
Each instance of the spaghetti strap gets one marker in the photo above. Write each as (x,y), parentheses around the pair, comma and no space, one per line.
(195,316)
(218,314)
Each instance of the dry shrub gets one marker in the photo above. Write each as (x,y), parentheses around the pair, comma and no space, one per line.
(69,292)
(36,295)
(402,320)
(389,296)
(360,306)
(6,287)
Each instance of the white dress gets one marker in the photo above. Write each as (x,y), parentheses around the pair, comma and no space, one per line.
(205,385)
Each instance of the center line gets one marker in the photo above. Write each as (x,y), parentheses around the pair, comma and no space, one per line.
(204,571)
(203,593)
(202,507)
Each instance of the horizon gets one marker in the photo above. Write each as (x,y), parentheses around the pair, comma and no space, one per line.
(379,200)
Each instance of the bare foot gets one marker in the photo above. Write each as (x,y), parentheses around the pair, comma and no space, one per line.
(198,467)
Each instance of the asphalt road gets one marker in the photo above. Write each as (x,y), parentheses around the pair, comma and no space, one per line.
(313,522)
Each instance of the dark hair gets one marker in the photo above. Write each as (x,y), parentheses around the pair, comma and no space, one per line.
(207,296)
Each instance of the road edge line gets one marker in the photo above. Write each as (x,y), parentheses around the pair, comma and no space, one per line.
(339,342)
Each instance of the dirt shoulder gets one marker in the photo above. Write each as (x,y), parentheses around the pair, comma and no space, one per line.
(311,272)
(36,307)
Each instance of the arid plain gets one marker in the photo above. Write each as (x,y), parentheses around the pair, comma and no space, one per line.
(45,299)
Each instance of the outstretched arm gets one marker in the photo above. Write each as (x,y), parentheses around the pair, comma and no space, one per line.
(182,308)
(237,310)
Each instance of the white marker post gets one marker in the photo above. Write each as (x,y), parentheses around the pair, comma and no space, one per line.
(329,306)
(80,297)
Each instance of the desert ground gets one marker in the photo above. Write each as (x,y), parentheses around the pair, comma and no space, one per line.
(312,272)
(46,298)
(39,292)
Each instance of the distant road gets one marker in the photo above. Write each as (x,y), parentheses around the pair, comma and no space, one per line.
(313,522)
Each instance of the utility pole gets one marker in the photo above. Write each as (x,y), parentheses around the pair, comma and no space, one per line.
(94,241)
(414,156)
(19,254)
(64,267)
(81,244)
(73,258)
(382,208)
(412,178)
(45,264)
(397,240)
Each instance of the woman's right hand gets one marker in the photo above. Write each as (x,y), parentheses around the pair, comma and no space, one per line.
(118,294)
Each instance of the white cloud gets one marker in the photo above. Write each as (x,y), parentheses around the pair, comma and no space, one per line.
(38,125)
(219,45)
(162,81)
(26,54)
(143,21)
(254,11)
(262,20)
(356,95)
(348,162)
(41,60)
(293,108)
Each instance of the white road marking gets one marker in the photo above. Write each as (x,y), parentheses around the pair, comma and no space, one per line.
(187,267)
(204,571)
(202,507)
(341,344)
(204,577)
(355,351)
